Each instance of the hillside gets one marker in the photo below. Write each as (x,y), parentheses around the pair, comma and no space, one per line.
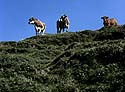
(85,61)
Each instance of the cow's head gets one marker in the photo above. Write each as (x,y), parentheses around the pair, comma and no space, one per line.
(104,18)
(31,20)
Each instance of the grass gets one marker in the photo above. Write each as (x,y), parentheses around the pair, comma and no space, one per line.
(82,61)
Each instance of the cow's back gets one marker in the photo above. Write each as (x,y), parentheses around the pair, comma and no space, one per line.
(38,23)
(113,22)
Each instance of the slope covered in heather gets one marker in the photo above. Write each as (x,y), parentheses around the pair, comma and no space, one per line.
(70,62)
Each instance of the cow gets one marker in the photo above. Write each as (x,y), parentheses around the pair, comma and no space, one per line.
(62,24)
(109,22)
(59,25)
(39,26)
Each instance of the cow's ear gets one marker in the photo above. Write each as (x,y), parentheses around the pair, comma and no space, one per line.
(32,18)
(102,17)
(107,17)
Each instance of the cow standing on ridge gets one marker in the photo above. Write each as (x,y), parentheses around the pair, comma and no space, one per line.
(109,22)
(62,24)
(39,26)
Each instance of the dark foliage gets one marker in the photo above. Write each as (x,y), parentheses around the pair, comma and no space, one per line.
(85,61)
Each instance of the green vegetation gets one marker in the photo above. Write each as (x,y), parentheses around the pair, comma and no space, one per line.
(86,61)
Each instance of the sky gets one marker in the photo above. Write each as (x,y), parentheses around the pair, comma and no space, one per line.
(83,15)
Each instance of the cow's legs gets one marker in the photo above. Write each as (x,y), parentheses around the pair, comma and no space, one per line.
(36,33)
(63,30)
(58,31)
(66,29)
(43,32)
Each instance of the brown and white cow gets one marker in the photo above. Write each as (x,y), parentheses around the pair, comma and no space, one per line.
(109,22)
(39,26)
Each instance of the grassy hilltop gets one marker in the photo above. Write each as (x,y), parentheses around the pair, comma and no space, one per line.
(86,61)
